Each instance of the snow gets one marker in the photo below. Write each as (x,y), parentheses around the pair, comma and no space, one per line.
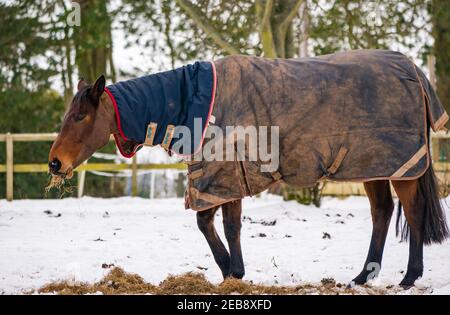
(157,237)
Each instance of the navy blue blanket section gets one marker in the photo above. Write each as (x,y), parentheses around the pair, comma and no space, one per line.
(174,97)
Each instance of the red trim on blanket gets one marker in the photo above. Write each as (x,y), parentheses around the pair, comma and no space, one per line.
(116,109)
(121,150)
(121,133)
(211,107)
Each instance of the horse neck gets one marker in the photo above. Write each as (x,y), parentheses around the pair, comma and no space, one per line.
(106,112)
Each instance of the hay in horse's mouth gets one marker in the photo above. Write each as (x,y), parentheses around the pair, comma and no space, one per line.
(61,183)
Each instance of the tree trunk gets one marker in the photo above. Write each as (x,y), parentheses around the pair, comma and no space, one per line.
(264,10)
(93,42)
(440,11)
(282,17)
(304,30)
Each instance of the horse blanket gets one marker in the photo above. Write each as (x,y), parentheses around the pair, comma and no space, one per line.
(351,116)
(149,109)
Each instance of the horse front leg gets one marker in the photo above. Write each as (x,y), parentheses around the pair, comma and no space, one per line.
(232,227)
(205,223)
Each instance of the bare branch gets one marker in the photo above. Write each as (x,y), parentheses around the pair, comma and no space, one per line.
(267,13)
(289,12)
(289,15)
(202,22)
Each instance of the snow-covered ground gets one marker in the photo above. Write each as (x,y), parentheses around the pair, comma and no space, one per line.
(48,240)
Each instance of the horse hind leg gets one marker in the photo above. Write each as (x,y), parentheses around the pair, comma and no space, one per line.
(232,227)
(381,207)
(205,223)
(425,218)
(407,192)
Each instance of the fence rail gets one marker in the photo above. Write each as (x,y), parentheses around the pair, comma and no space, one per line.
(332,188)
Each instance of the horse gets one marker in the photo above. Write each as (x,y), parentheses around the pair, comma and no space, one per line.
(381,88)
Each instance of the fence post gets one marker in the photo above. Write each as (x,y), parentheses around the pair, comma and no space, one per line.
(9,167)
(81,180)
(435,154)
(152,184)
(431,64)
(134,176)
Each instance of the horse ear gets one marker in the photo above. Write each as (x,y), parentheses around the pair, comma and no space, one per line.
(81,84)
(98,88)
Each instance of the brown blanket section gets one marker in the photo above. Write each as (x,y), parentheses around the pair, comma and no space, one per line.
(350,116)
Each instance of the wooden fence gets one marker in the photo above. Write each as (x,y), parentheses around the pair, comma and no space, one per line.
(331,188)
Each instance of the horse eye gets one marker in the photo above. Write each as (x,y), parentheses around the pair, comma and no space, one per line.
(80,116)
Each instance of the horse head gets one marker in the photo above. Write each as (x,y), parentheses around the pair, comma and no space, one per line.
(86,127)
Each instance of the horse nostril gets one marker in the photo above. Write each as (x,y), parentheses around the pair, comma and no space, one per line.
(54,165)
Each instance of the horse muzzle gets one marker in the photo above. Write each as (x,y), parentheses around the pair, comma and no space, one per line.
(54,167)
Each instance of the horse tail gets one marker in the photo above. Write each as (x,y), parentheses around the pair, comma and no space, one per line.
(435,229)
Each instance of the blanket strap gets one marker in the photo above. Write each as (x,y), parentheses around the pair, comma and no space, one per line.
(150,135)
(191,162)
(206,197)
(195,174)
(337,161)
(168,137)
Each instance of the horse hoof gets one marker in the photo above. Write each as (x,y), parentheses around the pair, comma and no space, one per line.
(407,284)
(410,278)
(237,275)
(351,285)
(234,275)
(360,279)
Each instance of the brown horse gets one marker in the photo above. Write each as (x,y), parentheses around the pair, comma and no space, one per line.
(90,120)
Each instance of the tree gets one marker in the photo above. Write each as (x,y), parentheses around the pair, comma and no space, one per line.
(273,23)
(27,102)
(93,41)
(440,15)
(361,24)
(165,28)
